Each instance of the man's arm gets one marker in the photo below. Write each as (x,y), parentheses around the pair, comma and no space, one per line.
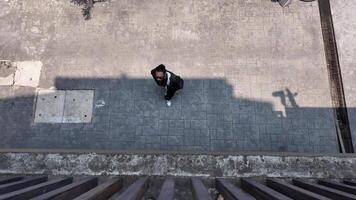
(176,82)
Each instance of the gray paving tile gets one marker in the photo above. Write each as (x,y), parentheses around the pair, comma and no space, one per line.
(262,88)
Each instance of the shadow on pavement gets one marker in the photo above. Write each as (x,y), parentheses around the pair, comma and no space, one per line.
(205,116)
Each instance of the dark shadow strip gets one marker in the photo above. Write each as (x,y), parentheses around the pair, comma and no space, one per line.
(335,79)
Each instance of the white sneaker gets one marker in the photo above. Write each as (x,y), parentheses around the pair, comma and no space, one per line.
(169,103)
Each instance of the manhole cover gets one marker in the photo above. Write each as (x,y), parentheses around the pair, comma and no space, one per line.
(49,106)
(78,106)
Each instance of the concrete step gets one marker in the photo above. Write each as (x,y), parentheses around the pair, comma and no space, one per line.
(70,191)
(103,191)
(5,180)
(17,185)
(36,190)
(169,188)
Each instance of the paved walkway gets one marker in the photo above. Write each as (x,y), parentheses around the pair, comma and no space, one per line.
(255,75)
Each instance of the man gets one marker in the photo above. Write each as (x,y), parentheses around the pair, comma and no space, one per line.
(167,79)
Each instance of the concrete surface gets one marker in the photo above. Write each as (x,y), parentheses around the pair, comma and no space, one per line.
(64,106)
(343,12)
(7,80)
(6,68)
(255,75)
(7,72)
(27,73)
(78,106)
(22,73)
(49,106)
(312,166)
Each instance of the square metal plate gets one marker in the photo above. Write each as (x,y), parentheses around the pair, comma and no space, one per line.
(78,106)
(49,106)
(64,106)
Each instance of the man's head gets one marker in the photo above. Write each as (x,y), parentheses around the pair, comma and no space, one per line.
(160,72)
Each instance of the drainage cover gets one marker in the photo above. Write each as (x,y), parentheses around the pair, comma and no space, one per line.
(64,106)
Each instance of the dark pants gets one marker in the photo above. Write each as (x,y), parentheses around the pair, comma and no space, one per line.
(172,90)
(170,94)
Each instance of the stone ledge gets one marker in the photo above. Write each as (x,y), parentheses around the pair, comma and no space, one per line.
(178,165)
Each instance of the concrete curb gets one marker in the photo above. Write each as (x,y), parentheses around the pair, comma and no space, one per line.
(178,165)
(165,152)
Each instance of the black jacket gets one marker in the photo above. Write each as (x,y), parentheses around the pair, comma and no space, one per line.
(175,83)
